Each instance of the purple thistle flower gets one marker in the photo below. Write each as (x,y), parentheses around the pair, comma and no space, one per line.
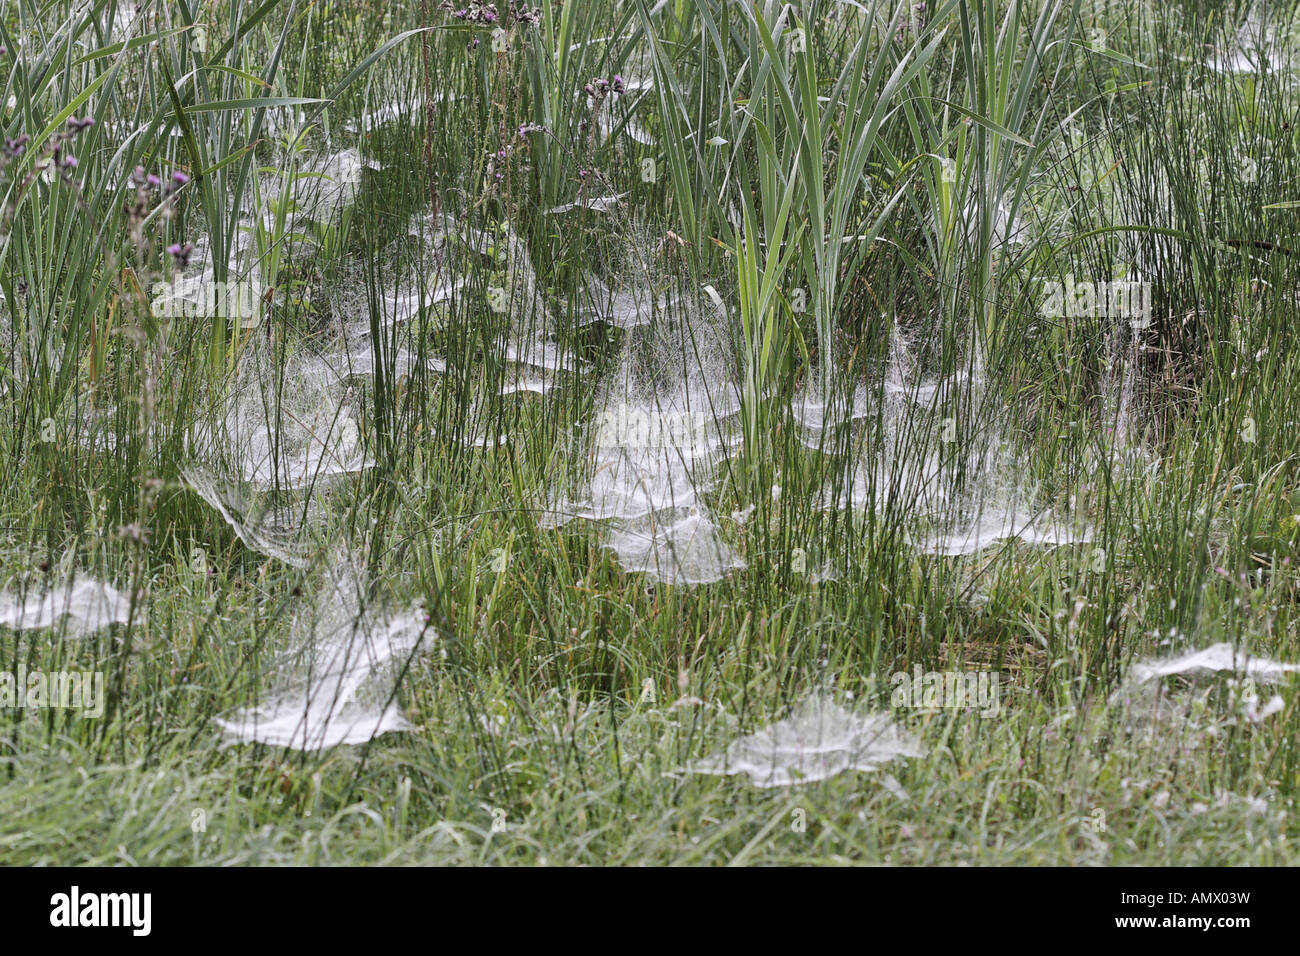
(180,179)
(180,253)
(16,147)
(529,15)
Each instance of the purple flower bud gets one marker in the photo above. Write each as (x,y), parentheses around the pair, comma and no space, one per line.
(16,147)
(153,180)
(180,253)
(71,162)
(180,179)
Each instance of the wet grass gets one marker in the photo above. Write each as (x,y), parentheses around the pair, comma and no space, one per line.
(835,178)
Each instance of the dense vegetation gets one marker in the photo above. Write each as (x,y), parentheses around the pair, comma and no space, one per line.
(517,405)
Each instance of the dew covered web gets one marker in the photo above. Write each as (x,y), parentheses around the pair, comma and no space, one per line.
(427,265)
(902,443)
(663,421)
(317,187)
(1211,660)
(932,450)
(287,425)
(338,680)
(1143,681)
(288,431)
(1256,45)
(818,740)
(84,606)
(283,436)
(1192,699)
(284,424)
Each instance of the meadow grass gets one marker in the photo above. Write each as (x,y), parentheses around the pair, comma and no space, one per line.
(852,208)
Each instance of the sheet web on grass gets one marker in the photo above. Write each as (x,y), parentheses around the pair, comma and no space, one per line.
(1149,706)
(1216,658)
(322,187)
(277,440)
(83,607)
(274,533)
(1257,44)
(428,274)
(662,424)
(286,423)
(817,741)
(341,672)
(628,291)
(961,483)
